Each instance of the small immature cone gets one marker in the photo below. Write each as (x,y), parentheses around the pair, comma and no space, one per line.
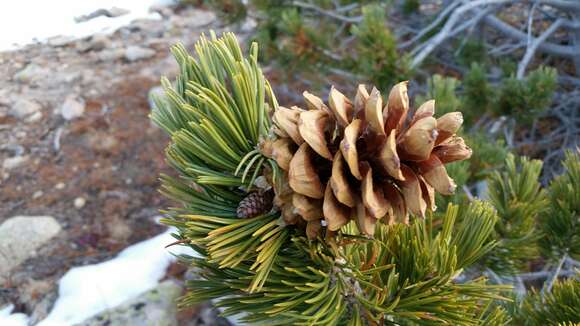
(255,203)
(302,174)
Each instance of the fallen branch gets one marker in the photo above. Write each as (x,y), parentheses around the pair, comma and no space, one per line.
(446,31)
(533,46)
(429,27)
(328,13)
(546,47)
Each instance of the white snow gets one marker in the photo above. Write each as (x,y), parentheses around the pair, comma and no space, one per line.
(8,319)
(25,21)
(88,290)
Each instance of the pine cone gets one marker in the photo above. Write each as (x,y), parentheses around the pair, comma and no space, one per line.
(356,160)
(255,203)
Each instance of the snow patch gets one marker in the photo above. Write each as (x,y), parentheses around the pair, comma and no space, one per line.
(9,319)
(32,20)
(88,290)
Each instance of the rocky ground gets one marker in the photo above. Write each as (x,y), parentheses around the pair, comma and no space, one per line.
(79,160)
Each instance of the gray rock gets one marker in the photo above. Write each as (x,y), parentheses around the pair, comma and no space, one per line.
(96,42)
(111,13)
(72,108)
(134,53)
(20,236)
(60,41)
(163,9)
(30,73)
(14,162)
(69,77)
(111,54)
(153,27)
(24,108)
(201,18)
(35,117)
(156,308)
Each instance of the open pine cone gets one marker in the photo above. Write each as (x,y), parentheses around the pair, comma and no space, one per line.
(358,160)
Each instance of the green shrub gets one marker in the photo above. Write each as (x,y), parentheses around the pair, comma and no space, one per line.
(443,90)
(478,95)
(376,54)
(473,52)
(559,307)
(411,6)
(526,99)
(488,155)
(518,199)
(560,224)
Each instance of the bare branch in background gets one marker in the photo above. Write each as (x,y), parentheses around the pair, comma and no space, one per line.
(332,14)
(447,29)
(533,46)
(546,47)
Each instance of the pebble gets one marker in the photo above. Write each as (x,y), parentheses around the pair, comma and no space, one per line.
(37,194)
(96,42)
(59,186)
(80,202)
(36,116)
(60,40)
(30,73)
(14,162)
(23,108)
(111,54)
(72,108)
(20,236)
(134,53)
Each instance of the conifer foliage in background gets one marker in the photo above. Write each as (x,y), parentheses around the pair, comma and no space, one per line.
(296,37)
(218,116)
